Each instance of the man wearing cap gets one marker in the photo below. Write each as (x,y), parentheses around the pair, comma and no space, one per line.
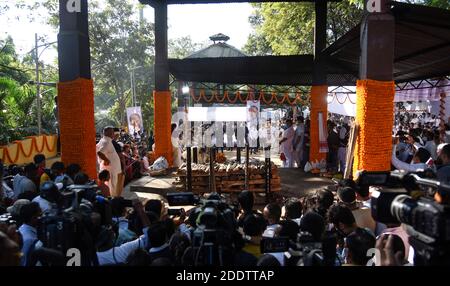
(49,195)
(108,159)
(14,210)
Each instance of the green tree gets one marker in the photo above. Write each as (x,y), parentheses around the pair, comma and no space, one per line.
(180,48)
(18,110)
(119,42)
(288,28)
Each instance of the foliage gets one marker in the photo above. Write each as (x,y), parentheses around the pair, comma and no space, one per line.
(180,48)
(18,111)
(288,28)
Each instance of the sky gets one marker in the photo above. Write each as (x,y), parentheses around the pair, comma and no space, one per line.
(198,21)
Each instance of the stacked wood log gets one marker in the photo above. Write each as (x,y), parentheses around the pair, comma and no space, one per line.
(229,177)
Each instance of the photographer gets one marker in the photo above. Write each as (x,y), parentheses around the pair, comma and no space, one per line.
(357,245)
(314,224)
(29,215)
(272,214)
(324,200)
(246,202)
(24,186)
(361,213)
(343,222)
(443,172)
(119,254)
(158,239)
(253,227)
(119,212)
(418,162)
(49,196)
(293,210)
(57,170)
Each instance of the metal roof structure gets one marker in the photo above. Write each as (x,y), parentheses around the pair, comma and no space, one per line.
(422,44)
(220,49)
(422,41)
(176,2)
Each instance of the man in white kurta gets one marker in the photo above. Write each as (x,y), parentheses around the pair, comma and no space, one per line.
(108,159)
(286,144)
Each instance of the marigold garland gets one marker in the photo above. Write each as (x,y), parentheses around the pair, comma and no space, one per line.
(77,138)
(318,104)
(285,99)
(375,116)
(225,95)
(236,96)
(34,149)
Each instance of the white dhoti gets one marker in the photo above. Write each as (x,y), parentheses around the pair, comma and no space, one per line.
(289,163)
(112,184)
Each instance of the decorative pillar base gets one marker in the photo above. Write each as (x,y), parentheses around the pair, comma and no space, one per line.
(375,116)
(77,124)
(319,103)
(162,122)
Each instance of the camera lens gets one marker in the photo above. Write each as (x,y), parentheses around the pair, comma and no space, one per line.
(402,207)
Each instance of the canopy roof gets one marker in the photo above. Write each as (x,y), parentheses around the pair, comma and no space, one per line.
(171,2)
(422,41)
(422,44)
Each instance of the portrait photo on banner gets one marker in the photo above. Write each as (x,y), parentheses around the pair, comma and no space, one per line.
(135,122)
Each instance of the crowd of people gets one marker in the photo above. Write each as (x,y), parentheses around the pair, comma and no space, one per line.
(148,234)
(418,143)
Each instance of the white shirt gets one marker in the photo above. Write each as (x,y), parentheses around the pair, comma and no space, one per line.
(22,184)
(107,148)
(299,135)
(146,163)
(431,147)
(119,254)
(405,166)
(7,191)
(29,237)
(271,230)
(43,203)
(286,147)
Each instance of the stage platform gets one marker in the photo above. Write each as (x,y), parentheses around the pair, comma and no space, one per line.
(294,183)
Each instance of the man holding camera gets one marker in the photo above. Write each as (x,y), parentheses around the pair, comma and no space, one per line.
(108,159)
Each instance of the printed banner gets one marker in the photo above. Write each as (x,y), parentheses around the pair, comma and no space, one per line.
(135,123)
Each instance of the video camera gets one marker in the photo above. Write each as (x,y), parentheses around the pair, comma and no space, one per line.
(213,222)
(81,220)
(422,204)
(305,251)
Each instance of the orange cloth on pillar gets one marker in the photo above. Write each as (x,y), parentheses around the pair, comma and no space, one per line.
(162,122)
(77,124)
(319,103)
(375,116)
